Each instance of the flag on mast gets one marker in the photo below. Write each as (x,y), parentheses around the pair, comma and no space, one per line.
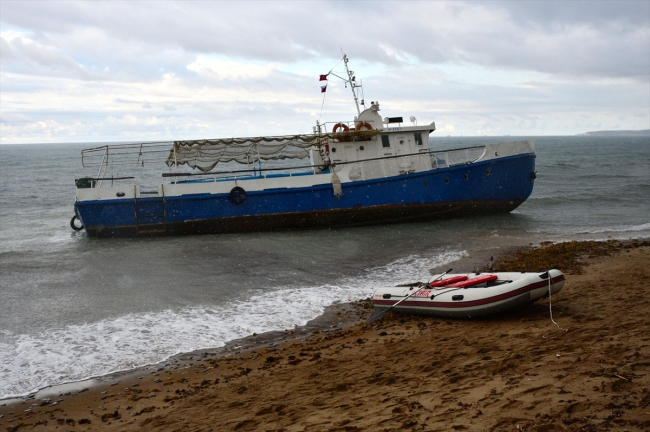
(323,88)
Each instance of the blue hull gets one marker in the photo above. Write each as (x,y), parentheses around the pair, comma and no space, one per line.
(497,185)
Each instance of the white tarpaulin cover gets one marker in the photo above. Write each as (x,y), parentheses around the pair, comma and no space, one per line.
(206,154)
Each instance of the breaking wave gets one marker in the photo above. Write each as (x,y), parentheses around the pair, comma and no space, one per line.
(76,352)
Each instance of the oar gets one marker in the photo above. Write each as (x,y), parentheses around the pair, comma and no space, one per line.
(410,285)
(376,316)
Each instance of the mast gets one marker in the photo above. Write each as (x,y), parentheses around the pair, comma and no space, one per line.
(352,80)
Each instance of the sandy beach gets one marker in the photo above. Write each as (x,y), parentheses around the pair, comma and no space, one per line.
(514,371)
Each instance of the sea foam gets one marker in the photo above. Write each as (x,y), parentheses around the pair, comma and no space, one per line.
(29,362)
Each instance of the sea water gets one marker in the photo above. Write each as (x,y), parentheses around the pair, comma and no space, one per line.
(73,307)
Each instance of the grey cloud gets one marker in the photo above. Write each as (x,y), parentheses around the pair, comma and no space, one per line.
(488,35)
(5,49)
(127,101)
(99,57)
(631,12)
(125,59)
(578,47)
(541,36)
(44,57)
(43,61)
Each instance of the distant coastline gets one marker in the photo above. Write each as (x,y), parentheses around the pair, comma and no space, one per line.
(644,132)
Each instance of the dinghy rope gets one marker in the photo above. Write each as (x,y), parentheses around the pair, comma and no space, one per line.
(550,306)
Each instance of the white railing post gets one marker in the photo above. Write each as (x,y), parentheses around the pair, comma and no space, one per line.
(103,166)
(175,163)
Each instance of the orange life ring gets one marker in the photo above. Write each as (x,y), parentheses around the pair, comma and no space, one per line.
(340,125)
(363,124)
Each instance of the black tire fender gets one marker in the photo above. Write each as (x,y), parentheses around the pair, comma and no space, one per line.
(237,195)
(73,225)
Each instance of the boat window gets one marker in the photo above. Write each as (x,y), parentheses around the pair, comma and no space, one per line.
(418,138)
(384,141)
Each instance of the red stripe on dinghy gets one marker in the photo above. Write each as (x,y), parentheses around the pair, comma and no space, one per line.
(474,281)
(461,304)
(448,281)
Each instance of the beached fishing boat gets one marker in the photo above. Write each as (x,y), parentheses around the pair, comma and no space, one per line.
(469,295)
(368,170)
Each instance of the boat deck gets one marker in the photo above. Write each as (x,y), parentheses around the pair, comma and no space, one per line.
(255,176)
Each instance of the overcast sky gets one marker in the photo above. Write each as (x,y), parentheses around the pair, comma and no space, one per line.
(148,70)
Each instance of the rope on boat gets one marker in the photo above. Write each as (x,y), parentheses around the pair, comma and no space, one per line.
(550,305)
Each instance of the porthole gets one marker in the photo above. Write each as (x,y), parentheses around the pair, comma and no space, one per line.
(487,173)
(446,181)
(333,149)
(401,141)
(360,147)
(466,177)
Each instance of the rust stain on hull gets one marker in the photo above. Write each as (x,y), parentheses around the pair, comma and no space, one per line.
(337,218)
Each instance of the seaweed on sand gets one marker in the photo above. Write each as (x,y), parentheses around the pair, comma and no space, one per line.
(567,257)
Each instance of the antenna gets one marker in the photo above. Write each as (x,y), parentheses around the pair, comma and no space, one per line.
(351,80)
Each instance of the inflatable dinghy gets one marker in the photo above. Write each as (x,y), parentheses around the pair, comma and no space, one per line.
(470,295)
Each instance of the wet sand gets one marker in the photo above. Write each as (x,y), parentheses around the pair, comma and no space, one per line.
(514,371)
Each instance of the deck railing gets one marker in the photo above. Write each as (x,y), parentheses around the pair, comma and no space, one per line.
(365,169)
(389,166)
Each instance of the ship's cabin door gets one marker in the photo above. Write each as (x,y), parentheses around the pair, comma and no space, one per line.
(403,145)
